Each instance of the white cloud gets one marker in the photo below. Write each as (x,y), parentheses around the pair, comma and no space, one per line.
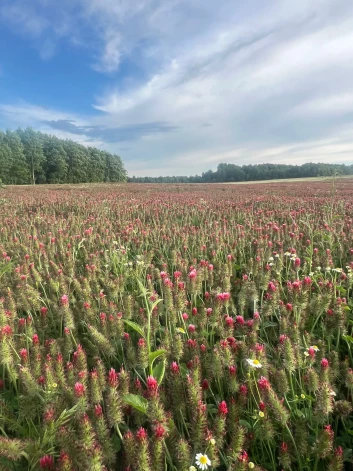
(241,82)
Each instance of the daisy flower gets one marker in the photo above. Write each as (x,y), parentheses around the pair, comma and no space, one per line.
(202,461)
(254,363)
(315,348)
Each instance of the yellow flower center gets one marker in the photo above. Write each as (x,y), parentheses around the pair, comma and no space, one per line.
(203,459)
(256,362)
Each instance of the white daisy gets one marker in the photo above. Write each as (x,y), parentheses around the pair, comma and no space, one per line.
(315,348)
(202,461)
(254,363)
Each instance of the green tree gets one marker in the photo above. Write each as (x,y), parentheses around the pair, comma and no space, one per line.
(33,151)
(5,160)
(77,158)
(19,171)
(55,160)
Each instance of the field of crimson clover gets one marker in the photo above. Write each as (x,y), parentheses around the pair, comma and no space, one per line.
(182,327)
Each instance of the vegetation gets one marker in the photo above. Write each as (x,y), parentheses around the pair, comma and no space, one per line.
(177,329)
(247,173)
(27,156)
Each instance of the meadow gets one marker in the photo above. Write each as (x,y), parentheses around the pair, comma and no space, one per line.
(177,327)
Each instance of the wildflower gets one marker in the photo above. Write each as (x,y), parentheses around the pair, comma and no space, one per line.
(202,461)
(112,378)
(174,368)
(263,383)
(192,468)
(261,414)
(222,408)
(254,363)
(64,300)
(324,363)
(79,389)
(159,431)
(251,465)
(152,384)
(141,434)
(46,462)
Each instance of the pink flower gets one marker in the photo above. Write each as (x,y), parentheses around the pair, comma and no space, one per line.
(141,434)
(152,384)
(222,408)
(46,462)
(271,286)
(6,330)
(174,368)
(159,431)
(243,457)
(263,383)
(192,274)
(324,363)
(24,354)
(232,370)
(64,300)
(113,378)
(43,310)
(311,352)
(79,389)
(191,328)
(98,410)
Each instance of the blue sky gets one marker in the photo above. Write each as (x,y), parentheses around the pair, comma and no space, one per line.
(178,86)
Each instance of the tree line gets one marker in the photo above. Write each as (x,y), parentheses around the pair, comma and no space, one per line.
(32,157)
(246,173)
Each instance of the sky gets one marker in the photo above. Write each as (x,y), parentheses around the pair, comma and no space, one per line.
(176,87)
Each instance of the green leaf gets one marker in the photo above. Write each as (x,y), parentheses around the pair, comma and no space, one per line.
(347,338)
(134,326)
(156,303)
(116,443)
(5,268)
(153,355)
(270,324)
(212,409)
(245,424)
(158,371)
(137,402)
